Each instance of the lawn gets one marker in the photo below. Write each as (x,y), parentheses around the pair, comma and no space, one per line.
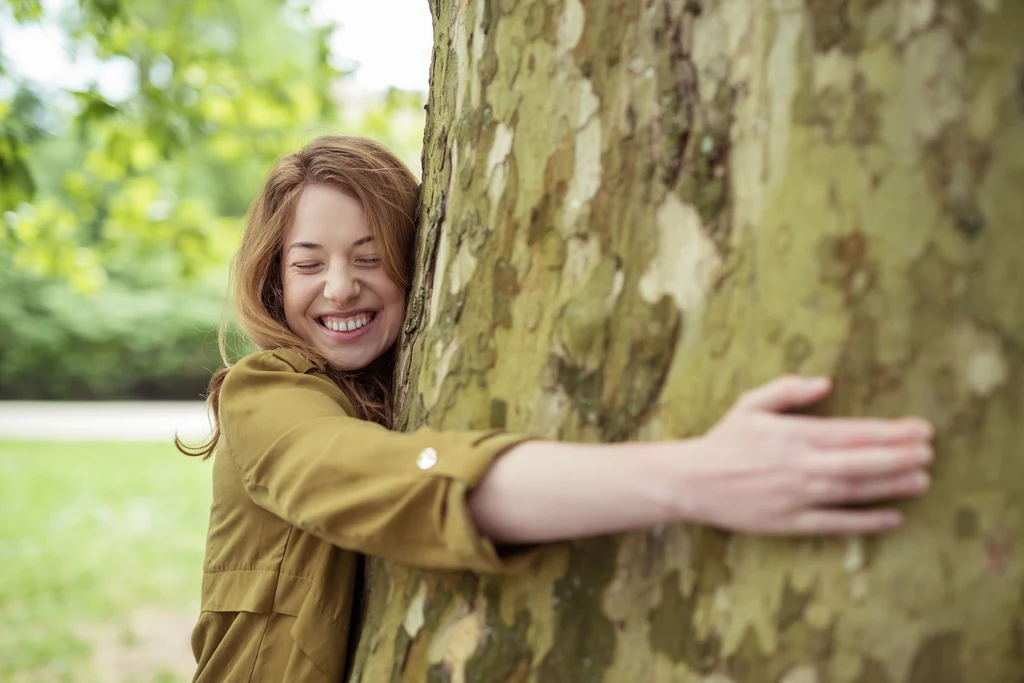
(101,548)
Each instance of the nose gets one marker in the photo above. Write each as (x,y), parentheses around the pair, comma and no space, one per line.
(341,285)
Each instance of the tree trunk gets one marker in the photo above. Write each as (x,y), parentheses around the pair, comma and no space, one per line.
(633,211)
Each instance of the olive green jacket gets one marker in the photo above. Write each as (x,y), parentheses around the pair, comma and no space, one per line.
(300,487)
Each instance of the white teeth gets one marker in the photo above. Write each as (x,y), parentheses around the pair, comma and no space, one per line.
(347,326)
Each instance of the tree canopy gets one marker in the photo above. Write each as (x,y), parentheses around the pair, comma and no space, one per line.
(122,205)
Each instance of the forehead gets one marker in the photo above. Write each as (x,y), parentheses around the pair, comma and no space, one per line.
(327,216)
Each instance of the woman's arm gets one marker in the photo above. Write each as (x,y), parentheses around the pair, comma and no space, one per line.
(758,470)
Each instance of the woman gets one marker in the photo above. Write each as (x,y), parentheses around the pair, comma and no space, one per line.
(308,475)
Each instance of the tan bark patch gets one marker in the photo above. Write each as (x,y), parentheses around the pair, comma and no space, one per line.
(570,29)
(800,674)
(463,267)
(913,16)
(440,268)
(497,169)
(582,254)
(586,178)
(986,367)
(414,618)
(456,642)
(686,258)
(932,81)
(444,357)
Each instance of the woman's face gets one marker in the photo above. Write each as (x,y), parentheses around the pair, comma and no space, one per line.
(337,295)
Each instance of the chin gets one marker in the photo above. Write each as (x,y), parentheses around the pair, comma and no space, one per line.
(351,362)
(346,364)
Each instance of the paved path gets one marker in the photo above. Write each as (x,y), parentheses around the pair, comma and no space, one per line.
(113,421)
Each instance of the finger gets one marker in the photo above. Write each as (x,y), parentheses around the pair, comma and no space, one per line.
(845,522)
(844,492)
(784,393)
(832,432)
(867,463)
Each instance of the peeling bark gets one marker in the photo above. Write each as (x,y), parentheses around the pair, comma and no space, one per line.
(635,210)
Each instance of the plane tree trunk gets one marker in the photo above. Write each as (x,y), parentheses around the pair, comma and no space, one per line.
(632,211)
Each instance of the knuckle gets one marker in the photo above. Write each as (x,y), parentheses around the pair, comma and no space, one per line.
(812,488)
(820,489)
(789,386)
(900,458)
(846,468)
(805,465)
(840,489)
(915,482)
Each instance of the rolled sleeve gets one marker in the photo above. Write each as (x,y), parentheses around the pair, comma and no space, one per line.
(354,483)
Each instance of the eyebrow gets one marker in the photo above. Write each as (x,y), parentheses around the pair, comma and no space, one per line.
(314,245)
(304,245)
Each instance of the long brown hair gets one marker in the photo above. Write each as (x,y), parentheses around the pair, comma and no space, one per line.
(387,191)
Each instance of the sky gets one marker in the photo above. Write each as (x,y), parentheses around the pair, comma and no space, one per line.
(390,39)
(369,33)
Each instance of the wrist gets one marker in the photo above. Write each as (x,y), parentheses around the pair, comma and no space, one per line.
(676,484)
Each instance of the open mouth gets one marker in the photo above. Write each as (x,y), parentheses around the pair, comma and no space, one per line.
(350,324)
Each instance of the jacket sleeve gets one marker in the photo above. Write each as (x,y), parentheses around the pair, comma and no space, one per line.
(351,482)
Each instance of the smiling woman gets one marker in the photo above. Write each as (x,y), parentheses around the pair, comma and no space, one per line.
(320,219)
(338,296)
(308,478)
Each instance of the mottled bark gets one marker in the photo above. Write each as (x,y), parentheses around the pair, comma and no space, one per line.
(633,211)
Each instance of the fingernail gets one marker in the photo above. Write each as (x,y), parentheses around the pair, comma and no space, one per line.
(818,382)
(923,454)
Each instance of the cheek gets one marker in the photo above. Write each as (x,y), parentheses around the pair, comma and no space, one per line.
(296,299)
(392,296)
(394,301)
(397,302)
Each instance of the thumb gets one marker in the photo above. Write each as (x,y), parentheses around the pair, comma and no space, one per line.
(784,393)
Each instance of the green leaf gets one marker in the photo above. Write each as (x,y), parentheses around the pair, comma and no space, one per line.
(27,10)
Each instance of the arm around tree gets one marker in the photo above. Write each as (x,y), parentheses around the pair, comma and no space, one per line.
(759,470)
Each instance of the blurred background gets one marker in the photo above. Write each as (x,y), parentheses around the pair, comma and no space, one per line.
(133,135)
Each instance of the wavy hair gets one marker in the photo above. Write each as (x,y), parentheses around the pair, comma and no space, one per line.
(388,193)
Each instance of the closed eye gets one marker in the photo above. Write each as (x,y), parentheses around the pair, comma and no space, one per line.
(305,266)
(369,261)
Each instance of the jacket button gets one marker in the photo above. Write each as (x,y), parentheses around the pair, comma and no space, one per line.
(426,459)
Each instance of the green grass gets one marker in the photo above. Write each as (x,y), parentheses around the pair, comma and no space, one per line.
(89,533)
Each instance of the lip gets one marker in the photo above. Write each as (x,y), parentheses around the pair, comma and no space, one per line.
(346,336)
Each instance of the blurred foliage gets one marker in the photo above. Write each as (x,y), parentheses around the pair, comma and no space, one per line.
(120,215)
(120,342)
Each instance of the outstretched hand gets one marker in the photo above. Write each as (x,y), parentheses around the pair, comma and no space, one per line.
(761,470)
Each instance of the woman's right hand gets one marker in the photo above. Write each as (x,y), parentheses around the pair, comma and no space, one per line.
(760,470)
